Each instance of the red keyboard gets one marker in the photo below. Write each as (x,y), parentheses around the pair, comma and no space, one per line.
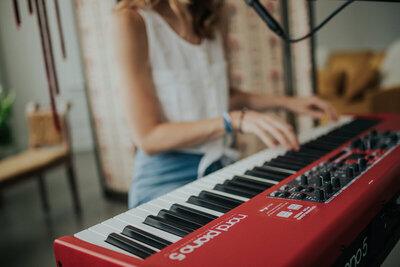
(333,202)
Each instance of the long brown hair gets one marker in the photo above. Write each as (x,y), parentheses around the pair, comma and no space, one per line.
(205,13)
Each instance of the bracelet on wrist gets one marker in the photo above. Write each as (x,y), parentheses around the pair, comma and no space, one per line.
(244,110)
(227,122)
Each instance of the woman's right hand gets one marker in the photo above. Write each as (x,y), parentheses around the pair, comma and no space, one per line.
(271,129)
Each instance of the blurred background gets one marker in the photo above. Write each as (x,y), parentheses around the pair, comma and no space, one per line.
(56,182)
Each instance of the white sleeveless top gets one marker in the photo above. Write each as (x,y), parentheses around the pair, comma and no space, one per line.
(190,80)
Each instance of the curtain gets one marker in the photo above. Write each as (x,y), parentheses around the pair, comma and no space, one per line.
(114,146)
(256,57)
(302,68)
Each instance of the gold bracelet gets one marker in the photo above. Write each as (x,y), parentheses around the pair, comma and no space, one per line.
(244,110)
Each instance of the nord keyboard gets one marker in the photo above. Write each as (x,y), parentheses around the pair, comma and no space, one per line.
(333,202)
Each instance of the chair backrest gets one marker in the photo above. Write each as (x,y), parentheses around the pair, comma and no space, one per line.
(41,128)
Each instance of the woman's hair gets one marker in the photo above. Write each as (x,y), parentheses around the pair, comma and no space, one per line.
(205,13)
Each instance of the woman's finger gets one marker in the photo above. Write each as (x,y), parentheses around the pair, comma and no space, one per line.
(264,137)
(286,129)
(325,107)
(276,133)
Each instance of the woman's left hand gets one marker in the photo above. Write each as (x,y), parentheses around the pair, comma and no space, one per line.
(314,106)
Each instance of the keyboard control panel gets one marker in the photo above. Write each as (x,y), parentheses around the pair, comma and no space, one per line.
(328,179)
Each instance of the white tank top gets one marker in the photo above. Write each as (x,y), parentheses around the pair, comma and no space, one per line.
(190,80)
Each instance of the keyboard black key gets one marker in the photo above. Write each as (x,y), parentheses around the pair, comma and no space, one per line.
(274,171)
(208,204)
(290,161)
(199,216)
(298,160)
(179,219)
(283,165)
(235,190)
(167,226)
(145,237)
(129,245)
(304,155)
(265,185)
(223,200)
(264,175)
(256,188)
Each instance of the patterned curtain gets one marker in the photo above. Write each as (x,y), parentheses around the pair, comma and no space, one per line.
(114,146)
(256,60)
(256,57)
(299,23)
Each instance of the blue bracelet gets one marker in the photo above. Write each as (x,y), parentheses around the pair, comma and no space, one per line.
(227,122)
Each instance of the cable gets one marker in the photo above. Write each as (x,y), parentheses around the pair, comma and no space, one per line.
(275,27)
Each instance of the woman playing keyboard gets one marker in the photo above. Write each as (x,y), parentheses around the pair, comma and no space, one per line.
(180,107)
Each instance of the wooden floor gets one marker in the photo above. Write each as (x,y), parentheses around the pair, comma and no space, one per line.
(27,234)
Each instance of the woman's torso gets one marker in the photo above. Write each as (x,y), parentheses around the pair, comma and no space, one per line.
(190,80)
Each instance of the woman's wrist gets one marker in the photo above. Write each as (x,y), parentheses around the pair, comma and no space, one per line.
(283,101)
(235,119)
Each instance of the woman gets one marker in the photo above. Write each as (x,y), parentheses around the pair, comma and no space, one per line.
(174,87)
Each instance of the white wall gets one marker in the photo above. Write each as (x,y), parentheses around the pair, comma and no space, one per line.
(24,72)
(362,25)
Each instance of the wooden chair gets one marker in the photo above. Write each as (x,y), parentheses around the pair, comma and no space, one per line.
(47,149)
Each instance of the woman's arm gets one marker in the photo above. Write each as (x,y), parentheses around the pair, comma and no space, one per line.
(139,97)
(314,106)
(137,91)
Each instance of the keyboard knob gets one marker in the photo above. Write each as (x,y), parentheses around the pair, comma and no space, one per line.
(374,132)
(328,188)
(356,167)
(320,194)
(362,163)
(318,181)
(336,182)
(326,176)
(362,146)
(349,172)
(371,143)
(304,180)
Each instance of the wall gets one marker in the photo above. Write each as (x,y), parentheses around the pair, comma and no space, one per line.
(362,25)
(24,72)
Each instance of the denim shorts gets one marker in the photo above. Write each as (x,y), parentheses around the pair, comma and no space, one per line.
(159,174)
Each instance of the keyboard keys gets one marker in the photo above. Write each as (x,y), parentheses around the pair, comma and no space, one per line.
(129,245)
(179,219)
(167,226)
(213,205)
(227,201)
(145,237)
(235,190)
(262,184)
(199,216)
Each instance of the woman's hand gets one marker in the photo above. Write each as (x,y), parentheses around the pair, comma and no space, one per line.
(314,106)
(269,128)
